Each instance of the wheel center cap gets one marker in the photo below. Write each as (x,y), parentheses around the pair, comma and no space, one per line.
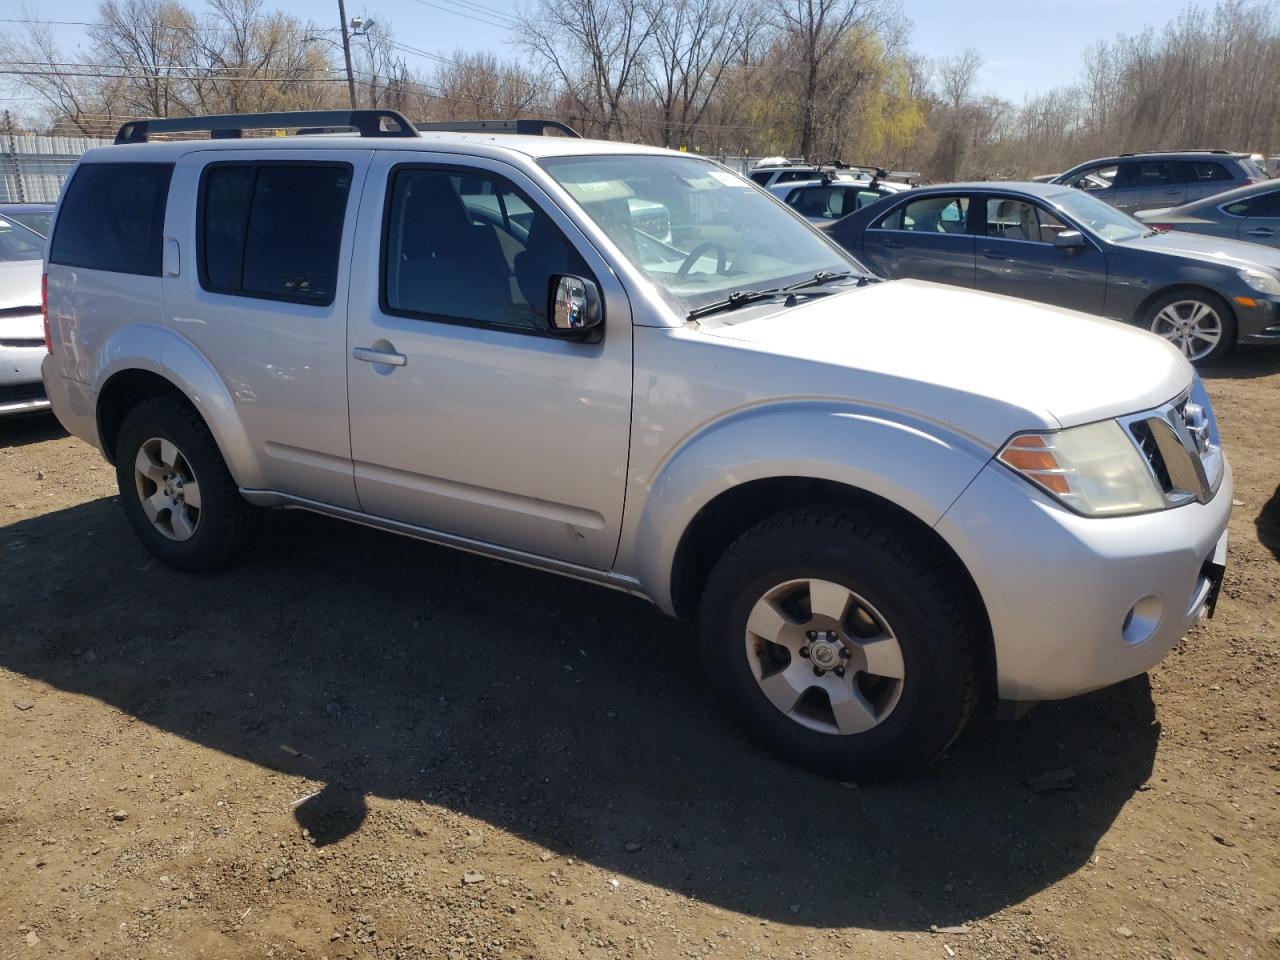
(824,654)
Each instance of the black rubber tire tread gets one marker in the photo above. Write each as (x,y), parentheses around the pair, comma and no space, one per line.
(1229,327)
(227,523)
(826,540)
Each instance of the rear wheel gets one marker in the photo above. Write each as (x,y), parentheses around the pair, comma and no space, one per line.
(176,490)
(840,643)
(1197,322)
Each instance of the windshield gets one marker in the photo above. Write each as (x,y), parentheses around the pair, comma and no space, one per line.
(1099,216)
(696,230)
(19,243)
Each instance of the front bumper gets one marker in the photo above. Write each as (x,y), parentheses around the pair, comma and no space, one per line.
(1078,603)
(1259,323)
(21,389)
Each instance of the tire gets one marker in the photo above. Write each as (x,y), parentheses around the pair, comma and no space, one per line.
(896,591)
(1163,315)
(181,535)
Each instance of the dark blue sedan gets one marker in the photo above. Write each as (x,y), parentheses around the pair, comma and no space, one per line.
(1052,244)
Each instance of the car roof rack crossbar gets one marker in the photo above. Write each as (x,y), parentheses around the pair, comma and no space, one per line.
(230,126)
(528,128)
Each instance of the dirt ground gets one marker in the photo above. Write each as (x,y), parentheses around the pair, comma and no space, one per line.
(358,746)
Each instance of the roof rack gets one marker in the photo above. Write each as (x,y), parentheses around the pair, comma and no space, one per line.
(528,128)
(1157,153)
(231,126)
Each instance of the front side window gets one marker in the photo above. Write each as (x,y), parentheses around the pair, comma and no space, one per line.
(1012,219)
(945,214)
(470,247)
(112,218)
(1095,178)
(722,234)
(272,230)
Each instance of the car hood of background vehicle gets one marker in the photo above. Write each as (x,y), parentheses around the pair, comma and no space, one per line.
(1230,253)
(19,290)
(987,365)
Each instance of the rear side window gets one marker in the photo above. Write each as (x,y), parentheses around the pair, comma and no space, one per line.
(112,218)
(929,215)
(1260,205)
(1202,171)
(272,230)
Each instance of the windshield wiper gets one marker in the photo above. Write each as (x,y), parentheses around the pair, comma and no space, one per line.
(740,298)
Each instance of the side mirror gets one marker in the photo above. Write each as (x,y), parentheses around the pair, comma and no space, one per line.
(1069,240)
(574,308)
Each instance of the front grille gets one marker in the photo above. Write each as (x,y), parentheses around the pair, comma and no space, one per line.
(1151,450)
(21,393)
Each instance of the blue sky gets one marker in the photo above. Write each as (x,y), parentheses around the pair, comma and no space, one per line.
(1028,45)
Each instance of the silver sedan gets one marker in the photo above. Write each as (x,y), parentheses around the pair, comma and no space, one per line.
(1247,213)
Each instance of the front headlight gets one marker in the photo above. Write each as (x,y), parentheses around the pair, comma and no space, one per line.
(1094,469)
(1261,281)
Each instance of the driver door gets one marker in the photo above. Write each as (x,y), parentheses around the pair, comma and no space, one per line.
(466,419)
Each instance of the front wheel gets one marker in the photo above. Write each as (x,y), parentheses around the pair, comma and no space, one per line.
(1197,322)
(841,643)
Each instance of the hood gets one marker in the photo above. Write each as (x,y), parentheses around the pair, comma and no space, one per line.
(1217,250)
(988,366)
(20,317)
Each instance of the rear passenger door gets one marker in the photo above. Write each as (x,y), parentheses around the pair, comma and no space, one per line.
(1257,218)
(926,239)
(253,277)
(466,418)
(1150,185)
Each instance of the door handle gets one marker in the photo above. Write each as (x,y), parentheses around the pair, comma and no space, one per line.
(370,355)
(892,244)
(1172,192)
(1261,232)
(995,255)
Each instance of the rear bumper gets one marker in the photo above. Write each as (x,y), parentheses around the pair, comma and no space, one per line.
(1077,603)
(21,390)
(74,404)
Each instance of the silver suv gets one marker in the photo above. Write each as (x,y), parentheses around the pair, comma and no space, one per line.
(880,500)
(1141,181)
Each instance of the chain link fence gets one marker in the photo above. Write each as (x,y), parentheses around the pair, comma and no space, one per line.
(32,168)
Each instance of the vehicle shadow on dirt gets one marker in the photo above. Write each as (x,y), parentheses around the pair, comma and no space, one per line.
(29,428)
(1268,524)
(1244,363)
(560,712)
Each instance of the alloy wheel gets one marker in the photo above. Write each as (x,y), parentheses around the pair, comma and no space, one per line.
(167,489)
(1192,326)
(824,656)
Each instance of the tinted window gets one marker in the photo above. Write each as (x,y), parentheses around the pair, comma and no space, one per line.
(1202,171)
(1147,173)
(1259,205)
(929,215)
(470,247)
(112,218)
(1012,219)
(273,230)
(36,220)
(19,243)
(762,178)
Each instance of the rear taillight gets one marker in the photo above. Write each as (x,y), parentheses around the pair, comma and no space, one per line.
(1162,227)
(44,310)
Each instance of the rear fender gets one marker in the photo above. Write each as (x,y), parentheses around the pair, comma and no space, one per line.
(161,351)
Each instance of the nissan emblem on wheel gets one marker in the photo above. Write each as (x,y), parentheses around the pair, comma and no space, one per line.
(882,501)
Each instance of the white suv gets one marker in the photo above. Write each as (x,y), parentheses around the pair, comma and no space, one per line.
(881,500)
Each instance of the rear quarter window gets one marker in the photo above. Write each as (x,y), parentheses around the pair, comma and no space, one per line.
(112,218)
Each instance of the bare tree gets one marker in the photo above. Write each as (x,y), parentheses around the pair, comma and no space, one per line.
(594,48)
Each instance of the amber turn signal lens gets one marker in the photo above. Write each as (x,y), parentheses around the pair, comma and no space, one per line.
(1033,456)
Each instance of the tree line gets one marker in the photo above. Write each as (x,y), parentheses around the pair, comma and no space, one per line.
(822,79)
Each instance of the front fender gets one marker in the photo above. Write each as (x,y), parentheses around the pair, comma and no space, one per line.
(921,466)
(161,351)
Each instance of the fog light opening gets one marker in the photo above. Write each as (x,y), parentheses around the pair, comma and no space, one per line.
(1142,620)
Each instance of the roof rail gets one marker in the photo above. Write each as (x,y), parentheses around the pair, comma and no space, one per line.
(528,128)
(230,126)
(1159,153)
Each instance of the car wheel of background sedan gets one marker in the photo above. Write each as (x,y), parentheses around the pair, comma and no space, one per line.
(176,490)
(840,643)
(1198,323)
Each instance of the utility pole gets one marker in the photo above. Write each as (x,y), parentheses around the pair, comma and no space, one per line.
(346,53)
